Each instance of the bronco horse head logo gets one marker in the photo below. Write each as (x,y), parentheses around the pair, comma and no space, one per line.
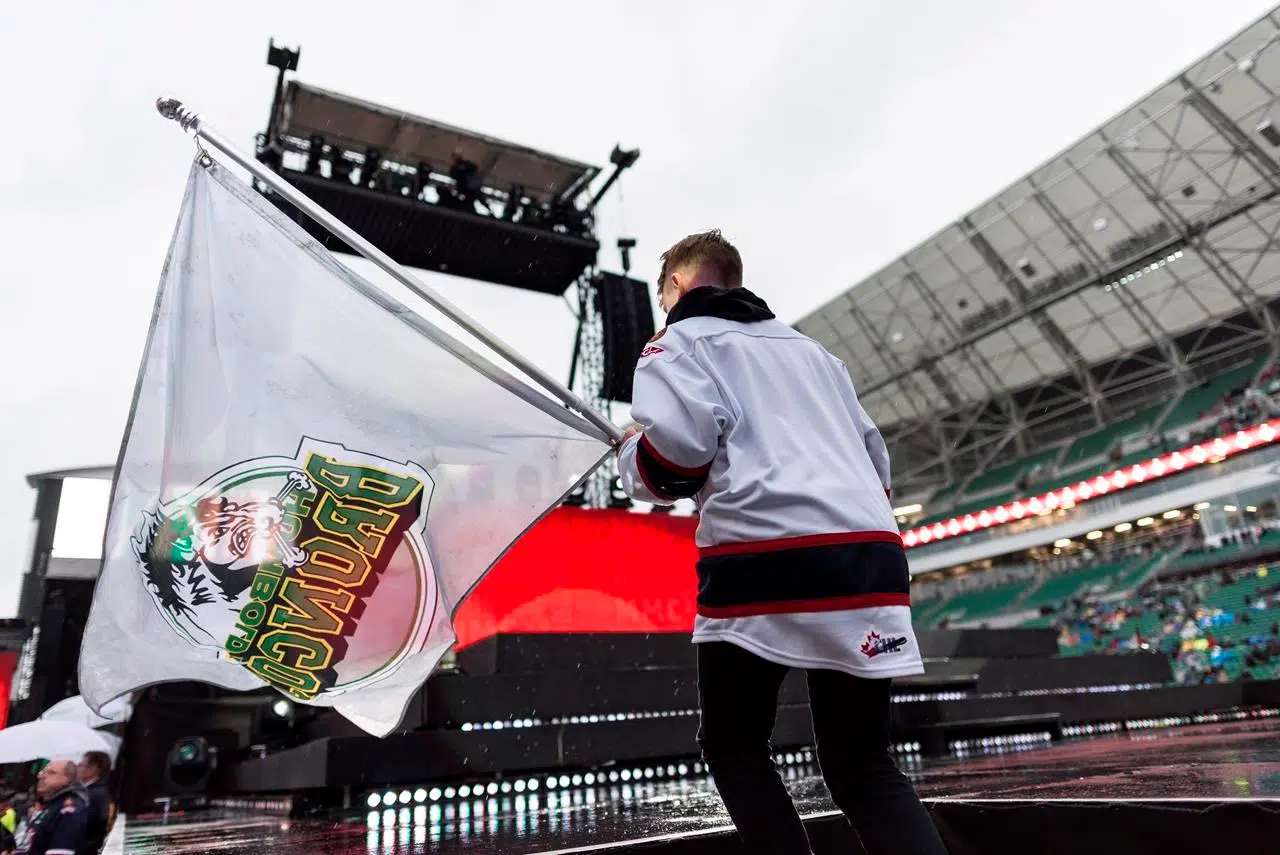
(210,555)
(311,571)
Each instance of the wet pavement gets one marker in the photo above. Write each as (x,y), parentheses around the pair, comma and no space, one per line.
(1220,762)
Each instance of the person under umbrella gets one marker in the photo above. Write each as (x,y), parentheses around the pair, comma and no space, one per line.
(60,826)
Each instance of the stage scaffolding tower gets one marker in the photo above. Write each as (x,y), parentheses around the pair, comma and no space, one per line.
(588,372)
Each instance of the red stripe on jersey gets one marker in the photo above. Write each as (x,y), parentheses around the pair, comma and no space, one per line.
(833,604)
(752,546)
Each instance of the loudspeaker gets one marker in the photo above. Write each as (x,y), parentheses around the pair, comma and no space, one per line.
(627,317)
(63,613)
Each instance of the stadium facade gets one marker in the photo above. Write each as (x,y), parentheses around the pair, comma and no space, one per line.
(1076,352)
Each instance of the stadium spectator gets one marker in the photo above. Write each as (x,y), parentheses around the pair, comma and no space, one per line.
(95,768)
(8,825)
(59,827)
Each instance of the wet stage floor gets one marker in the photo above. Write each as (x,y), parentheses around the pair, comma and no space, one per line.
(1238,761)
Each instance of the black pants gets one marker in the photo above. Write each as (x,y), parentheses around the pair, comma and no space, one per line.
(738,695)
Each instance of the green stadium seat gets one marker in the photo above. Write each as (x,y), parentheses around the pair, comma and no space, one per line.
(1007,476)
(1100,441)
(976,605)
(1062,587)
(1195,403)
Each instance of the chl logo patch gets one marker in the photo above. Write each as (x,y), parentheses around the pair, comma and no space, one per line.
(875,645)
(310,571)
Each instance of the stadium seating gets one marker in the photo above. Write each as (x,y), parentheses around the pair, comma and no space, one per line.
(1088,456)
(1100,580)
(1197,402)
(1099,442)
(1226,634)
(1191,561)
(975,605)
(1003,478)
(1065,586)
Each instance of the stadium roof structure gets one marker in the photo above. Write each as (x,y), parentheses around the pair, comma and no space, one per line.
(1137,262)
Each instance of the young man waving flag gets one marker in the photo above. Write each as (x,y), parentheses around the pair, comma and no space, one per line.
(800,561)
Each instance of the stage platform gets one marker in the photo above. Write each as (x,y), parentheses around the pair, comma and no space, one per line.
(1212,787)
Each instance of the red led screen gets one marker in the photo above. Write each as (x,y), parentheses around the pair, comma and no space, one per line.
(615,571)
(589,571)
(8,662)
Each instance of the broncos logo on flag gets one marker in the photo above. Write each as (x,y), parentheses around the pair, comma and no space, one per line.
(211,555)
(273,562)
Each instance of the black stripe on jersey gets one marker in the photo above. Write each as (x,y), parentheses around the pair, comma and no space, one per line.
(663,478)
(827,577)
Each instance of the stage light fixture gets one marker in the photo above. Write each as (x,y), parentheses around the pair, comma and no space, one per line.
(372,163)
(315,153)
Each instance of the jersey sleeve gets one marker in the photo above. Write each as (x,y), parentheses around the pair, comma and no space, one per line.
(682,414)
(871,437)
(68,832)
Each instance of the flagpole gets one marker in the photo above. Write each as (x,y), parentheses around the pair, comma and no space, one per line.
(173,109)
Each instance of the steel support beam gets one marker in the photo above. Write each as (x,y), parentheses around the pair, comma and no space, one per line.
(1053,334)
(1194,236)
(873,333)
(1246,145)
(1140,313)
(961,342)
(982,368)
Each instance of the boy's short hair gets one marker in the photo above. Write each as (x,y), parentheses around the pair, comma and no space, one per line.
(705,249)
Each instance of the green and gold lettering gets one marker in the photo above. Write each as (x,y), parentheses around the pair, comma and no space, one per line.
(309,609)
(252,613)
(366,529)
(264,587)
(238,645)
(336,562)
(313,654)
(301,683)
(362,483)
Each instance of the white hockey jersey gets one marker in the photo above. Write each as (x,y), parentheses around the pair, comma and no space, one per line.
(800,560)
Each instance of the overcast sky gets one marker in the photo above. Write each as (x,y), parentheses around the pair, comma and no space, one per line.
(824,137)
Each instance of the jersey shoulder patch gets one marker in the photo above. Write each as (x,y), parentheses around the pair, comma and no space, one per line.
(651,350)
(659,334)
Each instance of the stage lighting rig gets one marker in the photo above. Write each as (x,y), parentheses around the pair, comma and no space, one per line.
(431,195)
(625,245)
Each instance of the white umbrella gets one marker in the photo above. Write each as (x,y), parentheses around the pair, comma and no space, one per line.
(45,740)
(77,710)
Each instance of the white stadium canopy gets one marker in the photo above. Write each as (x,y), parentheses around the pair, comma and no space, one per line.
(1133,264)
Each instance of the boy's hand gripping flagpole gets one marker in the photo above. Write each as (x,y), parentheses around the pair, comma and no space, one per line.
(173,109)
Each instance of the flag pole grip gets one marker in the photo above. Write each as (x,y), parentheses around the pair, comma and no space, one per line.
(190,121)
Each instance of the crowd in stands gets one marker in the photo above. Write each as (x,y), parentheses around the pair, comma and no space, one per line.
(1214,628)
(1209,603)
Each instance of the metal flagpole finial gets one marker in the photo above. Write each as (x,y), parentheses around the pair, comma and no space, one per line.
(172,108)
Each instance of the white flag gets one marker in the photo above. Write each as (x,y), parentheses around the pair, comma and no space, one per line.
(312,479)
